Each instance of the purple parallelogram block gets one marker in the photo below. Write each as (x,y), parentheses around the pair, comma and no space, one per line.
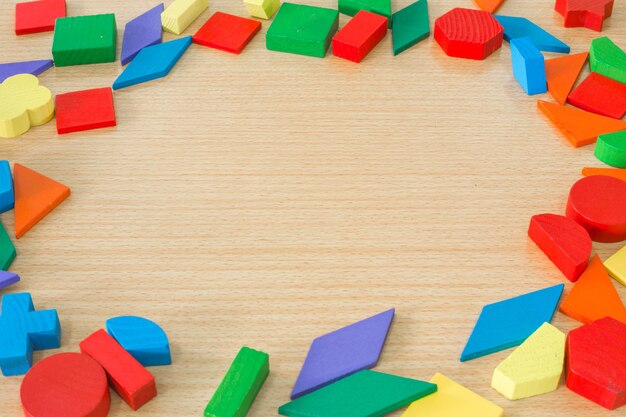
(142,31)
(343,352)
(8,278)
(26,67)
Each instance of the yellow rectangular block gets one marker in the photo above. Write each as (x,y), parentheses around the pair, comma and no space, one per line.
(181,13)
(616,265)
(263,9)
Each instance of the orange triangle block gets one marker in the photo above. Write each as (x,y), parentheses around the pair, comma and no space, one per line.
(489,5)
(562,73)
(620,174)
(35,196)
(580,127)
(594,296)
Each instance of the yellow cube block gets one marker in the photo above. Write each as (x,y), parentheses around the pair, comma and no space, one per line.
(616,265)
(181,13)
(263,9)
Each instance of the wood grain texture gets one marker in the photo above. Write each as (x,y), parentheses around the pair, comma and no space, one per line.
(266,199)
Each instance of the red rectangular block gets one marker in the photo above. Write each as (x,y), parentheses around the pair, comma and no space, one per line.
(85,110)
(359,36)
(227,32)
(38,16)
(601,95)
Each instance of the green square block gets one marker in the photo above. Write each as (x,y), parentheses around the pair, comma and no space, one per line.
(352,7)
(84,40)
(7,250)
(301,29)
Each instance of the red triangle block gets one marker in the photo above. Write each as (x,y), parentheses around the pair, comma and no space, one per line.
(562,73)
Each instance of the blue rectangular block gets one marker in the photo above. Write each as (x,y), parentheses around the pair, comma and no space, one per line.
(529,67)
(7,199)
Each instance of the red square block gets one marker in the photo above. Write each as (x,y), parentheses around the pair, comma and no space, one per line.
(601,95)
(85,110)
(360,36)
(38,16)
(227,32)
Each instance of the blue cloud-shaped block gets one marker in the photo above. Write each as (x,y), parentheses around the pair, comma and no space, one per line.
(142,338)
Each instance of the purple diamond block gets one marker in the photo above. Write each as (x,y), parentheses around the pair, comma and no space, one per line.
(8,278)
(26,67)
(142,31)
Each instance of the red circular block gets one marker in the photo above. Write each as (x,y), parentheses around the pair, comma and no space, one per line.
(65,385)
(467,33)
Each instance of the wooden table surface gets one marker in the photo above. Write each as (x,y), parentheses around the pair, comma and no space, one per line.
(268,198)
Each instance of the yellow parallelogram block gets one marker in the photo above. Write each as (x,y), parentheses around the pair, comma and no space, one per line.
(534,368)
(181,13)
(23,103)
(616,265)
(263,9)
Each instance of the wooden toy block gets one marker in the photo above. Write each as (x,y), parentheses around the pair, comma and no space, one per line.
(240,385)
(452,400)
(8,278)
(84,40)
(142,338)
(352,7)
(359,36)
(410,26)
(608,59)
(566,243)
(579,127)
(598,204)
(588,13)
(508,323)
(152,62)
(528,66)
(64,385)
(35,196)
(595,365)
(520,27)
(23,104)
(343,352)
(562,73)
(7,199)
(490,6)
(26,67)
(181,13)
(22,330)
(38,16)
(85,110)
(611,149)
(7,250)
(127,377)
(364,394)
(263,9)
(594,296)
(609,172)
(301,29)
(227,32)
(601,95)
(534,368)
(144,30)
(616,265)
(466,33)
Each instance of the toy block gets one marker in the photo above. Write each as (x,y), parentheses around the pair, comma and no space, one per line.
(595,365)
(364,394)
(26,67)
(598,204)
(227,32)
(609,172)
(343,352)
(452,400)
(410,26)
(534,368)
(85,110)
(7,199)
(359,36)
(490,6)
(593,296)
(181,13)
(127,377)
(520,27)
(566,243)
(142,338)
(301,29)
(562,73)
(63,385)
(144,30)
(240,385)
(38,16)
(84,40)
(35,196)
(528,66)
(508,323)
(601,95)
(7,250)
(611,149)
(466,33)
(8,278)
(23,104)
(263,9)
(352,7)
(616,265)
(608,59)
(588,13)
(22,330)
(579,127)
(152,62)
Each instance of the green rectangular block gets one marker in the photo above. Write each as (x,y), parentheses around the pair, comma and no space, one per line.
(240,385)
(352,7)
(301,29)
(7,250)
(84,40)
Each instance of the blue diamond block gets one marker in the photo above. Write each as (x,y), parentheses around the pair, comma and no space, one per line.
(142,31)
(7,197)
(508,323)
(520,27)
(529,67)
(142,338)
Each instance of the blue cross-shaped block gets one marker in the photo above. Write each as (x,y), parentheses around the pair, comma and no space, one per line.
(22,330)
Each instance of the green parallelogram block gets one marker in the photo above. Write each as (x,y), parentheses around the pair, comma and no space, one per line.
(352,7)
(84,40)
(302,29)
(410,26)
(607,59)
(611,149)
(240,385)
(7,250)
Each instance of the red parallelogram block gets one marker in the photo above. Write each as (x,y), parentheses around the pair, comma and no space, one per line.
(38,16)
(359,36)
(85,110)
(227,32)
(601,95)
(128,377)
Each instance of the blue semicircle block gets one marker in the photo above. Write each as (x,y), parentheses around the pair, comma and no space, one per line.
(142,338)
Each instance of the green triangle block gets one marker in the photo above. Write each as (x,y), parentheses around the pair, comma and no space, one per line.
(352,7)
(7,250)
(363,394)
(410,26)
(611,149)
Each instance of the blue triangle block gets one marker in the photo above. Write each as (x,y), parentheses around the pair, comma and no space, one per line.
(142,338)
(520,27)
(152,62)
(142,31)
(508,323)
(26,67)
